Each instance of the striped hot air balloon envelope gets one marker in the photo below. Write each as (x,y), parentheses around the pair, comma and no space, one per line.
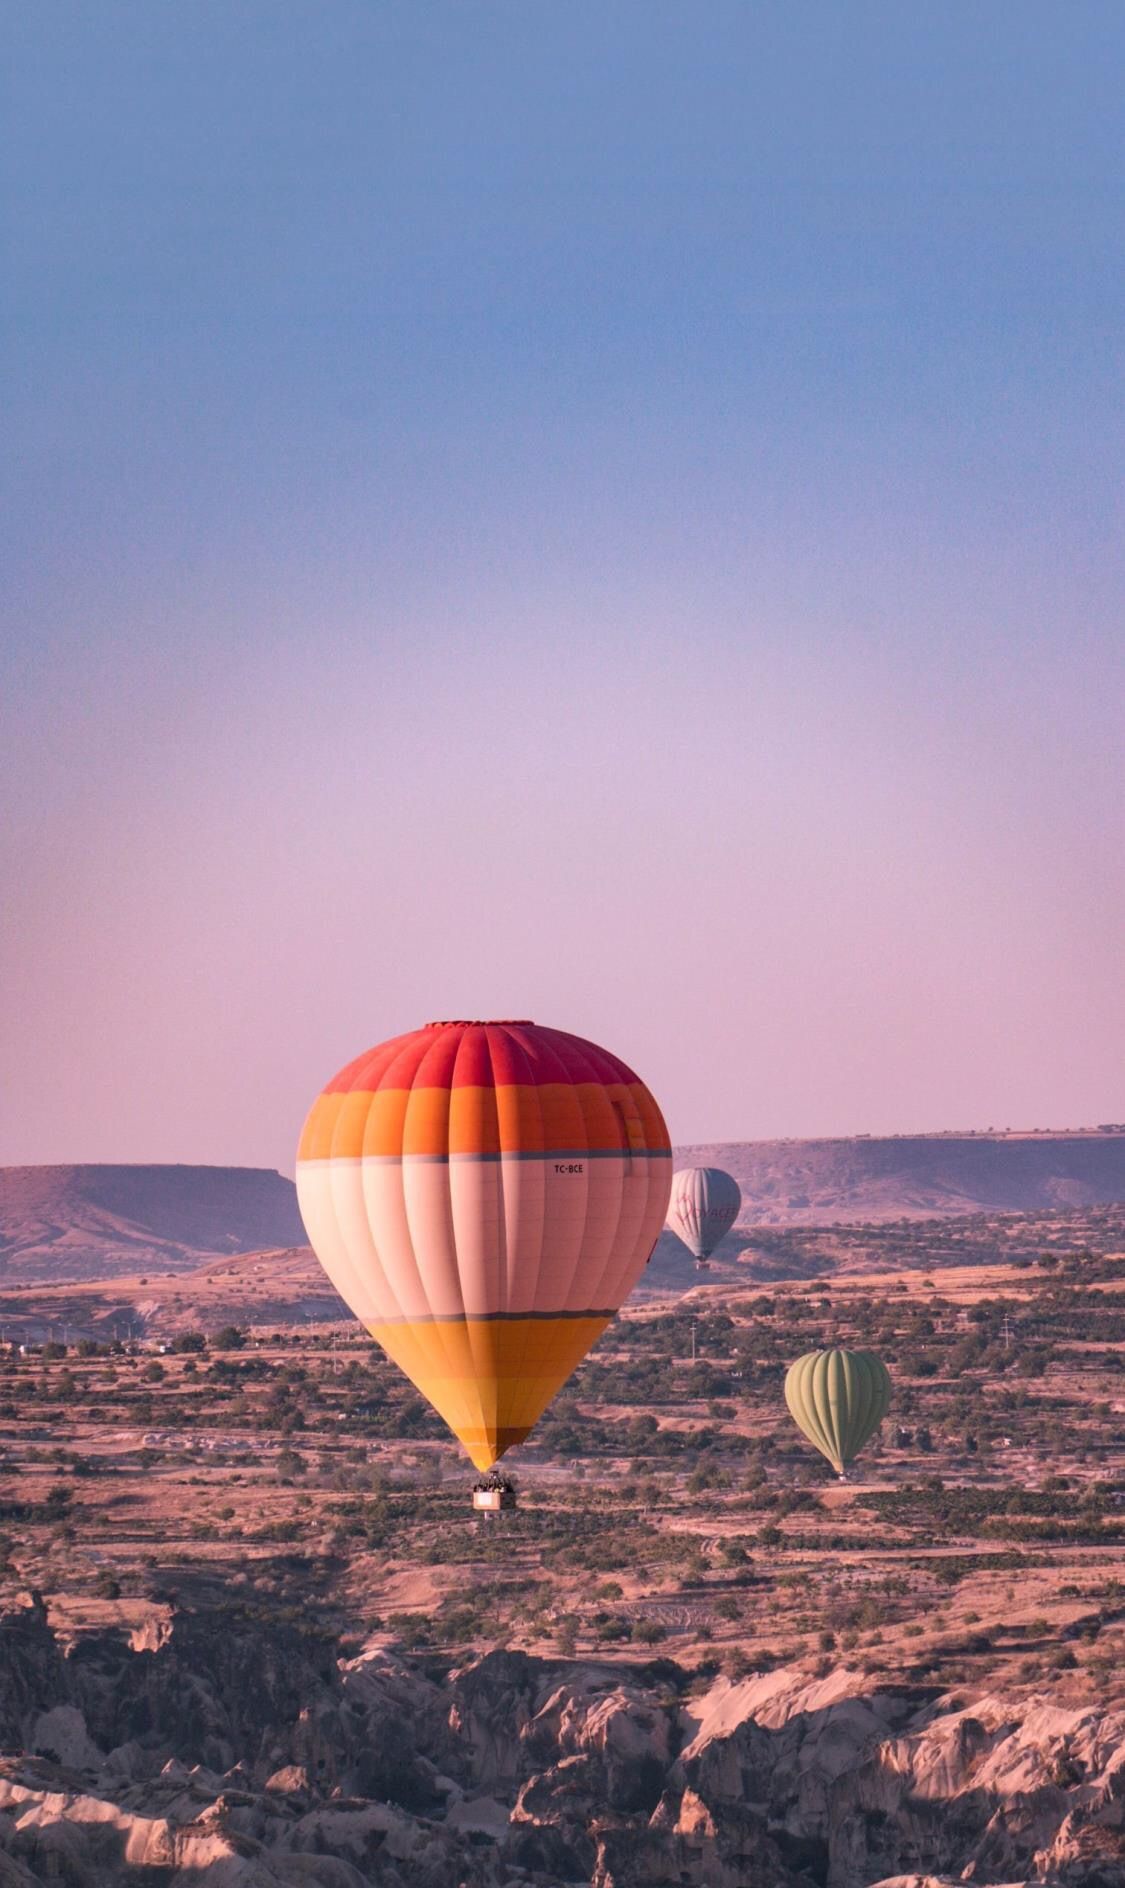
(703,1208)
(484,1196)
(838,1398)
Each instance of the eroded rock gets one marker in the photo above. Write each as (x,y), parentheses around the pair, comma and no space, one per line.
(265,1762)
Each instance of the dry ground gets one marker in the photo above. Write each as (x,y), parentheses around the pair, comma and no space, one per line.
(665,1503)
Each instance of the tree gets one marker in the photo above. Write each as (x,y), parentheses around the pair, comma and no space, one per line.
(229,1338)
(189,1341)
(566,1638)
(411,1629)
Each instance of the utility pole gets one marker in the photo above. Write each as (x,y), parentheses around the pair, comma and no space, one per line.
(1006,1331)
(693,1324)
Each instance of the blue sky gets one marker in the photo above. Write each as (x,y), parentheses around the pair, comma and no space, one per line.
(615,508)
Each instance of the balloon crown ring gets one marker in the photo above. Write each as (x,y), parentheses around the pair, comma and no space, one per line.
(482,1022)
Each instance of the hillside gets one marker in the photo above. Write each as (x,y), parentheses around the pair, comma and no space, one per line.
(283,1286)
(96,1221)
(917,1176)
(89,1222)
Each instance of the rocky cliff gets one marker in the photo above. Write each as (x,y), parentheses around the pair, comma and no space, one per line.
(233,1746)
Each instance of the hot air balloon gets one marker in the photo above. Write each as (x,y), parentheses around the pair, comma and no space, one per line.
(838,1398)
(484,1195)
(703,1208)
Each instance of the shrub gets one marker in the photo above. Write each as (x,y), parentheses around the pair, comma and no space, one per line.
(612,1629)
(413,1629)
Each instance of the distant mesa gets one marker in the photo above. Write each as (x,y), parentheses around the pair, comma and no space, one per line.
(787,1185)
(99,1221)
(918,1176)
(91,1222)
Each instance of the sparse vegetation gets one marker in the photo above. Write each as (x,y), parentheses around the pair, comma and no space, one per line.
(666,1499)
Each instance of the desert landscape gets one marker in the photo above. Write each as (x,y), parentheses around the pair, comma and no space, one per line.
(253,1632)
(562,1159)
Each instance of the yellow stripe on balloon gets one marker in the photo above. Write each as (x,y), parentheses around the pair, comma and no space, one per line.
(490,1379)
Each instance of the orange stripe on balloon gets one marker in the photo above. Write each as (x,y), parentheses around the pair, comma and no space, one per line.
(528,1119)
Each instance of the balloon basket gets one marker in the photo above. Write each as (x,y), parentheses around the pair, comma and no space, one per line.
(493,1494)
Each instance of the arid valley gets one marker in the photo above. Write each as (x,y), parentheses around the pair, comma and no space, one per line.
(253,1633)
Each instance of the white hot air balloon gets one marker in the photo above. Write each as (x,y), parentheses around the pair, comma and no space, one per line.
(704,1207)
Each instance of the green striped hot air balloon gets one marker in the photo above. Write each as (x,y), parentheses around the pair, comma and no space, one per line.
(838,1398)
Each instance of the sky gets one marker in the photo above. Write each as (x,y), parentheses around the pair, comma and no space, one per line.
(609,514)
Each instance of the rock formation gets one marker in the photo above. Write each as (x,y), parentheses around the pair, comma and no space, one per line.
(241,1751)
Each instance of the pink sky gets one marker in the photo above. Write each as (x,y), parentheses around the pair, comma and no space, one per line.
(806,883)
(592,519)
